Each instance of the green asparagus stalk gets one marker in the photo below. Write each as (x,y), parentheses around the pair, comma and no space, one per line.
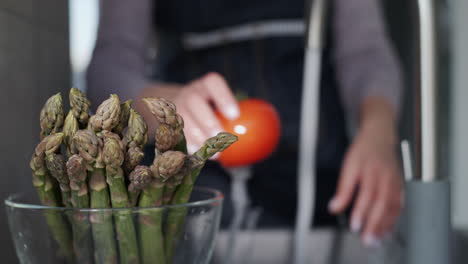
(124,116)
(169,135)
(51,117)
(44,184)
(151,235)
(212,146)
(81,227)
(77,173)
(80,106)
(107,115)
(102,227)
(182,145)
(139,178)
(176,216)
(191,163)
(56,165)
(113,156)
(89,146)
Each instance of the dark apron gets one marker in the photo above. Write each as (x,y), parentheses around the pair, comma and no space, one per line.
(271,69)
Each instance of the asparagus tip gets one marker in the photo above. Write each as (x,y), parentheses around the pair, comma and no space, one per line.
(107,115)
(51,116)
(140,178)
(53,143)
(168,164)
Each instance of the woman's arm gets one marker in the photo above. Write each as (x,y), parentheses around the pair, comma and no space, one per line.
(118,66)
(366,63)
(118,63)
(370,80)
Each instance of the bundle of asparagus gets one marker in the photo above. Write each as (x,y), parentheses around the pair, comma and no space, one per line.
(93,161)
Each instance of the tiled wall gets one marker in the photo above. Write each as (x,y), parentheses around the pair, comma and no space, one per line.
(34,63)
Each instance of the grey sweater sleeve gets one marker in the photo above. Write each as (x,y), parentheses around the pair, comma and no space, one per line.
(366,64)
(118,63)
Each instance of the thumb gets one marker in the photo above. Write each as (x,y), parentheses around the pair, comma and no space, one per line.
(219,92)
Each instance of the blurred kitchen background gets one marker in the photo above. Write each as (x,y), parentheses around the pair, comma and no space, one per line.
(45,47)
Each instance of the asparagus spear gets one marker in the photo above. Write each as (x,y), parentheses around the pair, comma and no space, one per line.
(151,236)
(82,240)
(56,165)
(89,145)
(77,174)
(44,184)
(113,156)
(212,146)
(135,139)
(137,133)
(139,178)
(191,163)
(176,216)
(169,134)
(170,129)
(80,106)
(107,115)
(124,116)
(51,117)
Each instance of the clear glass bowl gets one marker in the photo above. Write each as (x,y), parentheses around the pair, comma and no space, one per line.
(77,236)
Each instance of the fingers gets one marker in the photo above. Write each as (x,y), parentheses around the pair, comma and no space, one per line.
(392,211)
(203,114)
(385,210)
(364,201)
(346,186)
(194,104)
(193,133)
(221,95)
(371,235)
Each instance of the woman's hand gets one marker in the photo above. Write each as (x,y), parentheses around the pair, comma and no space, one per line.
(195,102)
(371,170)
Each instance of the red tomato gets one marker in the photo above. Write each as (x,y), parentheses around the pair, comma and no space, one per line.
(258,128)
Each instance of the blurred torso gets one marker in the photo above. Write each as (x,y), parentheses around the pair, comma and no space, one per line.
(269,68)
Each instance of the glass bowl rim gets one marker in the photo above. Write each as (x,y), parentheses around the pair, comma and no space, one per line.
(216,199)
